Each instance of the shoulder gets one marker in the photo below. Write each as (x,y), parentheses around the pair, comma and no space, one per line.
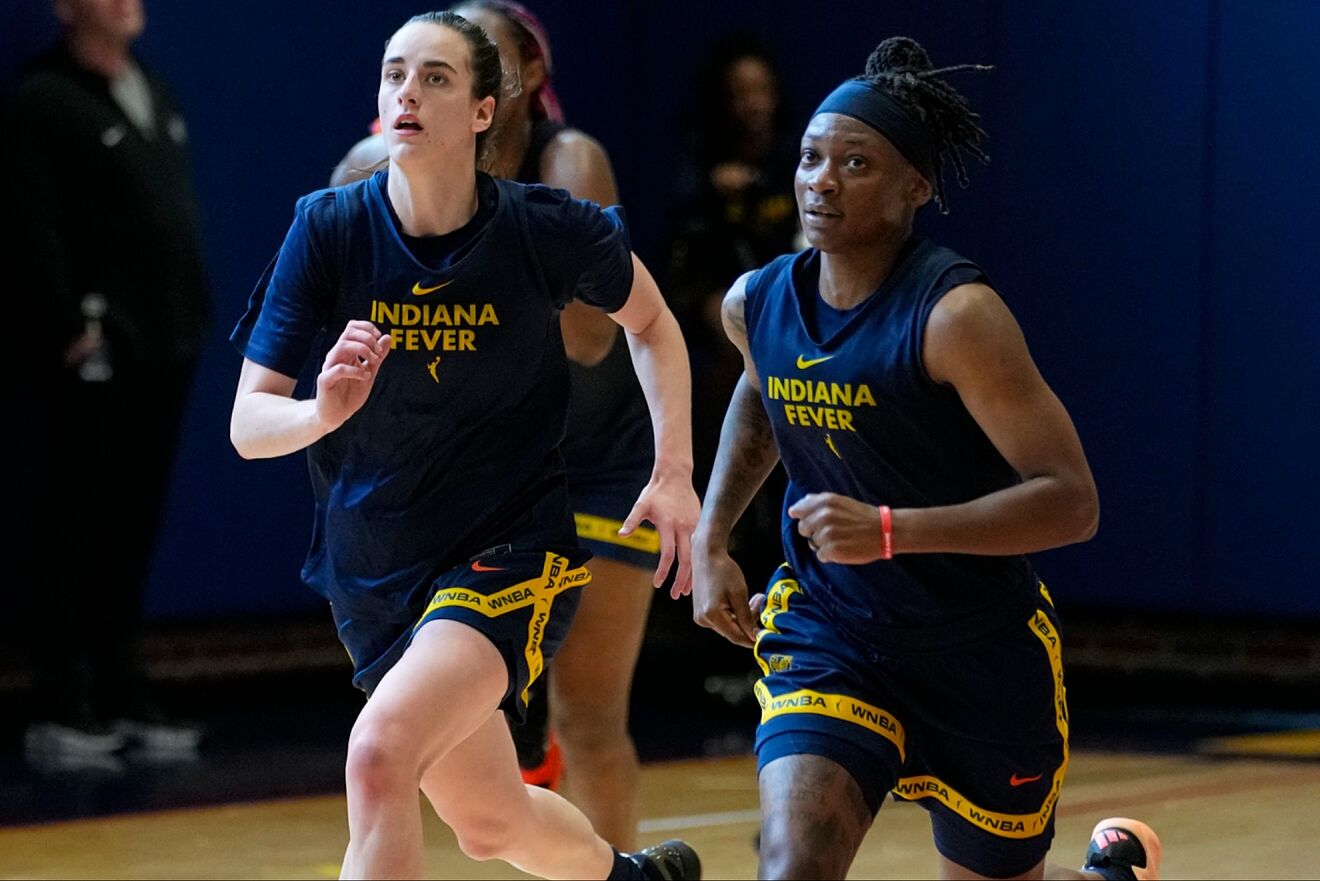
(971,324)
(575,146)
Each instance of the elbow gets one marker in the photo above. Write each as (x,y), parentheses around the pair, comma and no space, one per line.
(241,442)
(1086,514)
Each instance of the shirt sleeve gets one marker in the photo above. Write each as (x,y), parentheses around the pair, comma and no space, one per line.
(583,249)
(290,303)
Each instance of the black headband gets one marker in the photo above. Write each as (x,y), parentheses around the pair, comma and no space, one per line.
(880,111)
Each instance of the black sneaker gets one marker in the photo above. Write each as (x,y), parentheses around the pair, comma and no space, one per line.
(671,860)
(1123,850)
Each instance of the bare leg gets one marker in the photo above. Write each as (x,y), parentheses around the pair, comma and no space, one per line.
(447,684)
(590,684)
(813,818)
(951,871)
(478,791)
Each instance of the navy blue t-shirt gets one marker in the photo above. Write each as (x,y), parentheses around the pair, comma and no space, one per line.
(855,413)
(457,447)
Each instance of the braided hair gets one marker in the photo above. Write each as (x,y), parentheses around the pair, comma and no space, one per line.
(901,68)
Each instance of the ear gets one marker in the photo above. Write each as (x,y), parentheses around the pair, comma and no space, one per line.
(533,75)
(485,114)
(920,192)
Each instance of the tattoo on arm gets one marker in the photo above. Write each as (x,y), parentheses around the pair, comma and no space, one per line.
(747,454)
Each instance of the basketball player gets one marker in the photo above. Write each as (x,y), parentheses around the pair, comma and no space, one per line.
(443,538)
(608,451)
(906,645)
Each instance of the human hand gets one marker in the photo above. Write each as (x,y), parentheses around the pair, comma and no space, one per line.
(719,596)
(349,372)
(838,529)
(671,505)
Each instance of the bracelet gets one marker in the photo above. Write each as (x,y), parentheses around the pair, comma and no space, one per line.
(886,533)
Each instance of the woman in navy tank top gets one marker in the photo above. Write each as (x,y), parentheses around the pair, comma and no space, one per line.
(906,644)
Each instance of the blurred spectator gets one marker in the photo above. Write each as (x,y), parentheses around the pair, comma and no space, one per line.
(736,213)
(115,304)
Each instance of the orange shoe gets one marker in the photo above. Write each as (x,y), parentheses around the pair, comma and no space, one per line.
(1124,849)
(550,772)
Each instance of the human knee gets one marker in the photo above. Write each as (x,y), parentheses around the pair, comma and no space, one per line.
(781,857)
(597,730)
(484,838)
(379,758)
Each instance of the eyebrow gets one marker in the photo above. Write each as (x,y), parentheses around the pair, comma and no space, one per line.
(398,59)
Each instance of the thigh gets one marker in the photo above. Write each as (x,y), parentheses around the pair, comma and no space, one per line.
(477,783)
(593,670)
(813,818)
(522,601)
(818,695)
(992,752)
(448,683)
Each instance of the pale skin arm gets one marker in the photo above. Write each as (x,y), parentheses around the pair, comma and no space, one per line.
(747,454)
(974,344)
(660,359)
(267,421)
(577,163)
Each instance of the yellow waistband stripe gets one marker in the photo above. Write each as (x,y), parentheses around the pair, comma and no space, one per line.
(593,528)
(540,592)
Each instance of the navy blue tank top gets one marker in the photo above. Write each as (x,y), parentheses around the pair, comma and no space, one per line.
(457,447)
(855,413)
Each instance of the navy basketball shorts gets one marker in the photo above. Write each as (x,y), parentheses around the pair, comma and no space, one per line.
(601,502)
(976,734)
(522,601)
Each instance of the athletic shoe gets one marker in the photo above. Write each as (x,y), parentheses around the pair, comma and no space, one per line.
(672,860)
(1123,850)
(550,772)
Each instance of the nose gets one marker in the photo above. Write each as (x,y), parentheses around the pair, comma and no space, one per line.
(823,178)
(407,94)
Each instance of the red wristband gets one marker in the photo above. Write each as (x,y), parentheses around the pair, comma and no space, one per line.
(886,533)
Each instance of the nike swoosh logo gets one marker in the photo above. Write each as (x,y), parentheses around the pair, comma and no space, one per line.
(478,567)
(419,291)
(804,363)
(1015,780)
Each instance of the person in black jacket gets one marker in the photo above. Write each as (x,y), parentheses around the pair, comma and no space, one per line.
(116,299)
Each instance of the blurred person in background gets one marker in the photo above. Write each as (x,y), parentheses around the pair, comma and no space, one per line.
(735,212)
(117,306)
(608,450)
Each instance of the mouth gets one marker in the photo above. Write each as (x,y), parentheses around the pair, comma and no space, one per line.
(407,123)
(821,214)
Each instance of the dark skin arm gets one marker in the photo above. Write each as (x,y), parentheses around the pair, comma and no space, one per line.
(974,344)
(577,163)
(746,456)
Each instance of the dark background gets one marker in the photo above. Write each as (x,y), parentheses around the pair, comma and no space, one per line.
(1150,214)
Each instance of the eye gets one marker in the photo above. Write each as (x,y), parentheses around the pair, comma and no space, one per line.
(437,79)
(393,76)
(856,162)
(808,155)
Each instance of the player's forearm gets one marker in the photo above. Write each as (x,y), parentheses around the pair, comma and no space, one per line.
(747,454)
(1041,513)
(264,426)
(660,359)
